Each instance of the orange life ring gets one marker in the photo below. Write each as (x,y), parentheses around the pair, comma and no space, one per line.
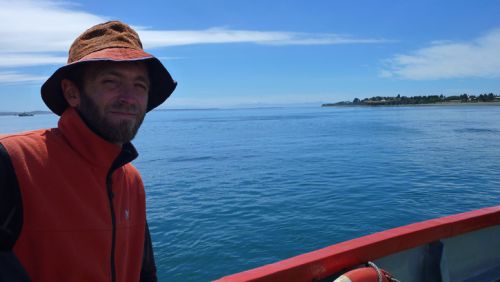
(366,274)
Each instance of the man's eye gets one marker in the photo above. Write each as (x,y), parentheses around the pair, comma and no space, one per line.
(142,86)
(109,81)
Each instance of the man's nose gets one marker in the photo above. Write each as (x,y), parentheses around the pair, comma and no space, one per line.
(128,94)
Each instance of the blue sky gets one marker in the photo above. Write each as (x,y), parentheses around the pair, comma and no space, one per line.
(245,53)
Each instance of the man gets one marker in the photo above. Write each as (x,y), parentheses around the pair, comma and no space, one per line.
(72,207)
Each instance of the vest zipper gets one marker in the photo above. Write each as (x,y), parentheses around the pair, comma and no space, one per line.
(127,154)
(109,184)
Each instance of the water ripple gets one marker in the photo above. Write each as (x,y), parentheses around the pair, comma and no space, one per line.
(232,190)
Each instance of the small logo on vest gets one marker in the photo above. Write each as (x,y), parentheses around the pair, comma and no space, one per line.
(126,214)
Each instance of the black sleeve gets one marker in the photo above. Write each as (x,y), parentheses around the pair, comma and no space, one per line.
(148,271)
(11,216)
(10,203)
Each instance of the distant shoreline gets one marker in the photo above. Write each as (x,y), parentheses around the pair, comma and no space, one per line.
(31,113)
(455,100)
(496,103)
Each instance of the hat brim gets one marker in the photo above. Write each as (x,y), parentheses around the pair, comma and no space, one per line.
(162,84)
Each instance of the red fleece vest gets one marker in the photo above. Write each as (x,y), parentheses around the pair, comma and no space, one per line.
(67,222)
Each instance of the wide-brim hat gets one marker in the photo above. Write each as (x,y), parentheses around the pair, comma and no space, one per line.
(111,41)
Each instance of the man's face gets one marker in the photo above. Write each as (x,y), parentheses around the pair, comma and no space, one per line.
(114,98)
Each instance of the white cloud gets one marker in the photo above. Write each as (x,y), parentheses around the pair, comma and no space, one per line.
(445,59)
(23,59)
(48,27)
(36,33)
(161,38)
(16,77)
(41,26)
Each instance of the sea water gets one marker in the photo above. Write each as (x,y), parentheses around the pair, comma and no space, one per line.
(232,189)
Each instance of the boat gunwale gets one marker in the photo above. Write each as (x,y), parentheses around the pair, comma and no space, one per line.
(324,262)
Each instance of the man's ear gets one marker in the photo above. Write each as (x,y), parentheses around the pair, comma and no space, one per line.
(71,92)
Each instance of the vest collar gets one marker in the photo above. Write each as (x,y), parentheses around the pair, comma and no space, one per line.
(90,146)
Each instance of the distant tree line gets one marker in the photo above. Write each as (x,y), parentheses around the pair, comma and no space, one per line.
(414,100)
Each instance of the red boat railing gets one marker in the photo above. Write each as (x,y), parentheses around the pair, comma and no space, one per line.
(322,263)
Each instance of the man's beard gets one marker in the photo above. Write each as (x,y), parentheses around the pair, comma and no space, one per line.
(120,133)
